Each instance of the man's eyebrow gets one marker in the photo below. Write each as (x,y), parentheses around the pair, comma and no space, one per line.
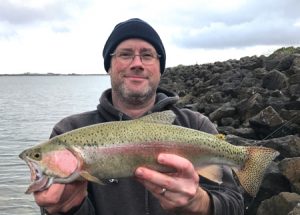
(140,50)
(125,49)
(146,49)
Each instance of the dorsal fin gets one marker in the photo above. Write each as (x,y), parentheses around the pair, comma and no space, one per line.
(164,117)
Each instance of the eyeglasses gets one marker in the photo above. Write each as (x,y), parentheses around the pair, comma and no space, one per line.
(126,57)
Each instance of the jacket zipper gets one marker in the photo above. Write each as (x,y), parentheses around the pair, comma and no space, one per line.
(147,209)
(120,116)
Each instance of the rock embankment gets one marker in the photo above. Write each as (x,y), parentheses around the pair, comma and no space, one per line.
(254,101)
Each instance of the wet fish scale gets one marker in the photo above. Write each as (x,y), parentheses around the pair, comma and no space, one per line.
(116,149)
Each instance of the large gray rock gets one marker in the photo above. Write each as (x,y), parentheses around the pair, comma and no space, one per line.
(274,80)
(290,168)
(296,210)
(279,205)
(266,122)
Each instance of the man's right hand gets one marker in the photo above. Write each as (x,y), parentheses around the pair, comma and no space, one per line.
(62,197)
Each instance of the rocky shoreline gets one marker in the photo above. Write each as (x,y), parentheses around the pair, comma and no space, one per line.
(254,101)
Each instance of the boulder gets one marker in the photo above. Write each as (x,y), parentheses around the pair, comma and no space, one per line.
(280,204)
(290,168)
(266,122)
(274,80)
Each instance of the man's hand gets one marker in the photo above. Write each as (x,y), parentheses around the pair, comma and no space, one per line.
(62,197)
(177,191)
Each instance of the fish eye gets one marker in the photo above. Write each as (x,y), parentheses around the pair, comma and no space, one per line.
(36,155)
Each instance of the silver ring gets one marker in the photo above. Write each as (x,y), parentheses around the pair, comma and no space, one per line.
(163,191)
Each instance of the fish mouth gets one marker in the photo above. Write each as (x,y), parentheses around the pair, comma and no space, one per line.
(39,180)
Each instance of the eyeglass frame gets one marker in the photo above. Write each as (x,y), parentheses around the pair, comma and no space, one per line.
(132,57)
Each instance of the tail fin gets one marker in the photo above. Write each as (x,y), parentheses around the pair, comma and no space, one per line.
(252,173)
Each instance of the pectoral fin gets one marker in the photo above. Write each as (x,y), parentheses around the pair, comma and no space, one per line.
(89,177)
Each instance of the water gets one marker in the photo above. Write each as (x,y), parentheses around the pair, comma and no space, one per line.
(29,108)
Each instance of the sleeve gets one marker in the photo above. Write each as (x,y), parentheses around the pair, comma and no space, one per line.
(62,127)
(86,208)
(227,199)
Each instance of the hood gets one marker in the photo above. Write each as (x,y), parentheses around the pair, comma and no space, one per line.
(164,99)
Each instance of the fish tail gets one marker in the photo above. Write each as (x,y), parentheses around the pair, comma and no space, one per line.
(252,173)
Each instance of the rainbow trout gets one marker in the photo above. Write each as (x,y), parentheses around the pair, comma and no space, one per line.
(116,149)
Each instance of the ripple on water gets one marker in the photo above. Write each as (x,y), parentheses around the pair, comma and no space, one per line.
(29,109)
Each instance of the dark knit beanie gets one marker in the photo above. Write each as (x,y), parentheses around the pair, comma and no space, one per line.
(133,28)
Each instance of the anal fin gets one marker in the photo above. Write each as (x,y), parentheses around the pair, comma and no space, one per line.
(211,172)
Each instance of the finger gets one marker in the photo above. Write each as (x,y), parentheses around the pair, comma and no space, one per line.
(182,165)
(77,188)
(165,198)
(60,197)
(73,195)
(156,178)
(170,199)
(50,196)
(153,188)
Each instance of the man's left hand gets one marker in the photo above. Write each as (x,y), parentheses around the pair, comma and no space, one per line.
(178,191)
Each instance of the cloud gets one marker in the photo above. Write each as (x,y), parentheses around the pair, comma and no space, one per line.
(6,31)
(16,14)
(68,35)
(251,23)
(60,29)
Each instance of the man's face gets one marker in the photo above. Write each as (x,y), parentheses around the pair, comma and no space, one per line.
(134,80)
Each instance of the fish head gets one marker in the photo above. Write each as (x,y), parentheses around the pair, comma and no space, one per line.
(34,154)
(33,158)
(47,165)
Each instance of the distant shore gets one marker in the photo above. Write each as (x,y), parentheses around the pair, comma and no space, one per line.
(51,74)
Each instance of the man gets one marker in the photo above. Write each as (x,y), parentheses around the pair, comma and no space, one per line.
(134,57)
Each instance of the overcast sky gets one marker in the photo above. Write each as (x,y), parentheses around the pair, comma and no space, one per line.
(67,36)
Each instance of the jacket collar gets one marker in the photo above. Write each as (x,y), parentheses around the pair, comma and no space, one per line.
(164,98)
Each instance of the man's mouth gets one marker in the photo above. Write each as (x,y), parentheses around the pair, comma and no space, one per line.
(137,77)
